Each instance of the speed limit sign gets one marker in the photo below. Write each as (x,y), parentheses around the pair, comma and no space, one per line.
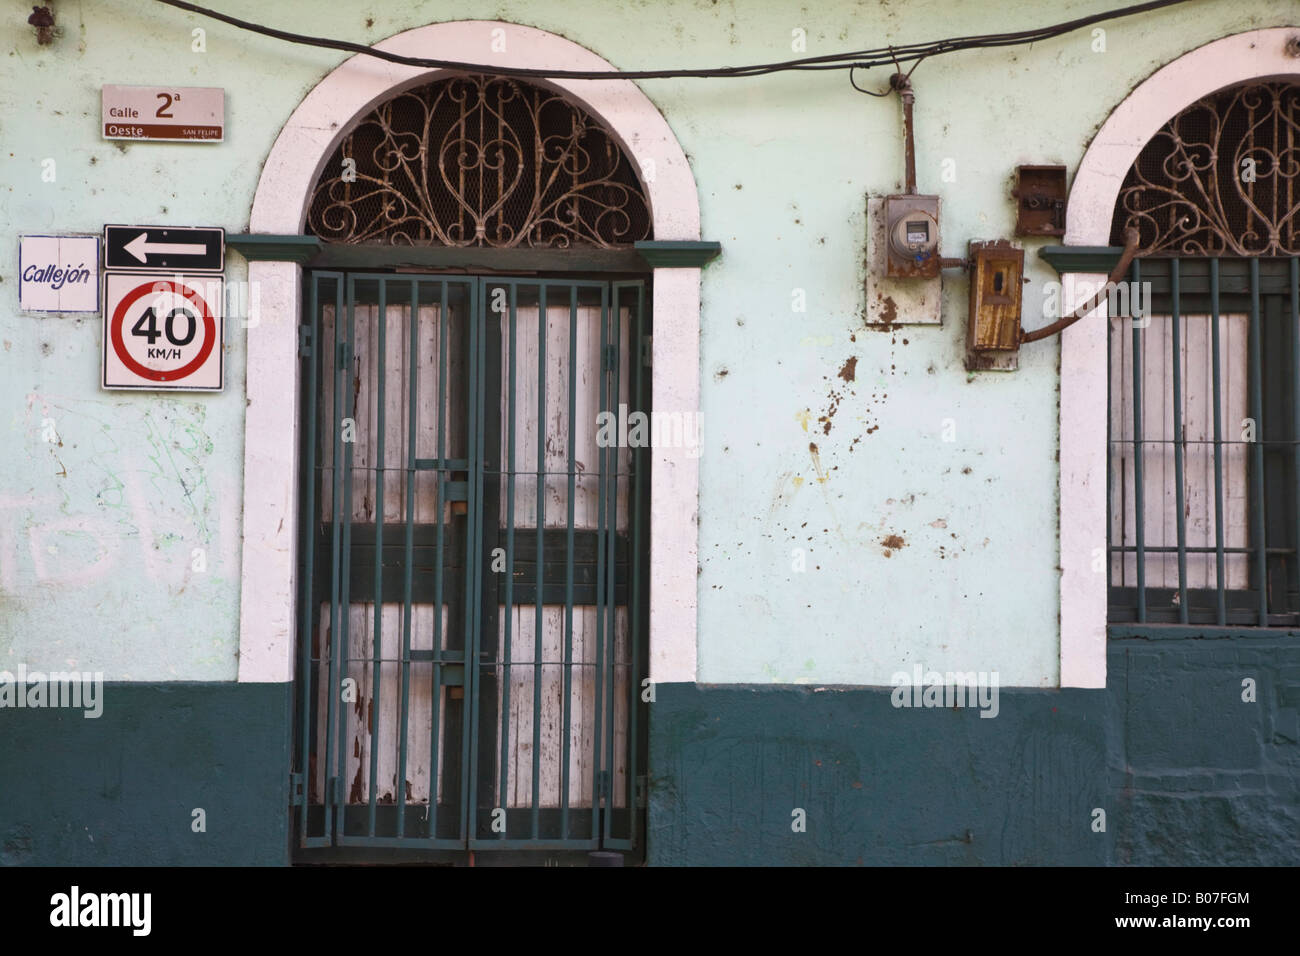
(163,332)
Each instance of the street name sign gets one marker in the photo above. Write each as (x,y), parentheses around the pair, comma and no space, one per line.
(192,114)
(58,273)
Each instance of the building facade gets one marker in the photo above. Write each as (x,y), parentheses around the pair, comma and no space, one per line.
(580,479)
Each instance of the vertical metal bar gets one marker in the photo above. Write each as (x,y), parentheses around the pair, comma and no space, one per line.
(1140,522)
(639,458)
(508,625)
(1295,404)
(332,695)
(438,561)
(310,520)
(567,676)
(602,376)
(541,555)
(611,569)
(1218,441)
(403,729)
(1179,448)
(1257,413)
(377,627)
(408,565)
(490,519)
(345,601)
(473,562)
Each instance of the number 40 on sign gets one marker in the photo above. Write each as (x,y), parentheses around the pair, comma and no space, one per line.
(163,332)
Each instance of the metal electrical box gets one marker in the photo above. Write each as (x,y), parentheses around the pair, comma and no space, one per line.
(993,331)
(912,235)
(1040,200)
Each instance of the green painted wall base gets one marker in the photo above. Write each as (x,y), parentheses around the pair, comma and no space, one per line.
(121,789)
(1186,771)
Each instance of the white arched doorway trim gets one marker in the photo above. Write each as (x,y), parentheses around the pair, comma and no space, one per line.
(268,574)
(1257,55)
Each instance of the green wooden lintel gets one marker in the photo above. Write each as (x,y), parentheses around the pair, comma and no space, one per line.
(1096,259)
(683,254)
(310,249)
(343,255)
(272,248)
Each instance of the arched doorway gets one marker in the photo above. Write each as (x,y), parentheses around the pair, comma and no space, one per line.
(565,252)
(1140,170)
(475,577)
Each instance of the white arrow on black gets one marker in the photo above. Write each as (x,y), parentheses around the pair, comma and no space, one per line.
(142,248)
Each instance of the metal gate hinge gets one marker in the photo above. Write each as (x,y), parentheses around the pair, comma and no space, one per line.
(304,341)
(611,357)
(344,354)
(296,797)
(647,350)
(641,791)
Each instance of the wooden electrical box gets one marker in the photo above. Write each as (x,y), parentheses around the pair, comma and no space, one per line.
(993,329)
(1040,200)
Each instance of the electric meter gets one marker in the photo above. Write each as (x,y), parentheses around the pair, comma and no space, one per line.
(915,233)
(913,236)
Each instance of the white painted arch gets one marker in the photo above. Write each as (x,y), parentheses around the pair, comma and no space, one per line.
(1254,56)
(268,598)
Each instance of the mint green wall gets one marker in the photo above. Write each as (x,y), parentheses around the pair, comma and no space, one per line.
(97,533)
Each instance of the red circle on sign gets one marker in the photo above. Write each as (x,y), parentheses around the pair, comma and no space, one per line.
(119,315)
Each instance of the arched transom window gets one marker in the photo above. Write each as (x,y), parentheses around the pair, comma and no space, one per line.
(1220,178)
(480,161)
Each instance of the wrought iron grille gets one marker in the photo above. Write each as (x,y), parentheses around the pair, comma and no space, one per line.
(480,161)
(1220,178)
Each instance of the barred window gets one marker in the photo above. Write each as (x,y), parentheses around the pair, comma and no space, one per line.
(1204,392)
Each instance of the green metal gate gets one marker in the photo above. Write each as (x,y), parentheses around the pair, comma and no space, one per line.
(1204,430)
(473,584)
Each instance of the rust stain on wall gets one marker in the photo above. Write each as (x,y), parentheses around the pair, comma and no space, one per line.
(848,373)
(892,543)
(817,462)
(888,312)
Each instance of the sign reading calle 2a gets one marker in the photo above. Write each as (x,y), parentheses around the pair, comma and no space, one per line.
(195,114)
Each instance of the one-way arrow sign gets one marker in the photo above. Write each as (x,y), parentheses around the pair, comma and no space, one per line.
(149,248)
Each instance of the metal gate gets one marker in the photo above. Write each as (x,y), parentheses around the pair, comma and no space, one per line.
(473,589)
(1204,431)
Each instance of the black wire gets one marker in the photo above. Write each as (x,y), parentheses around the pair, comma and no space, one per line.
(887,91)
(862,59)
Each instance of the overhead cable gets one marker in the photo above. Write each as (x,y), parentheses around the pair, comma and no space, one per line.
(862,59)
